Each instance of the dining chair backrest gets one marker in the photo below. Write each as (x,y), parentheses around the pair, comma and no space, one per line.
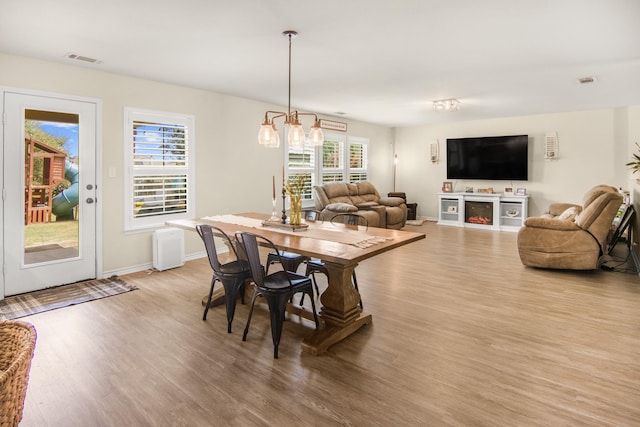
(350,219)
(206,234)
(249,244)
(311,215)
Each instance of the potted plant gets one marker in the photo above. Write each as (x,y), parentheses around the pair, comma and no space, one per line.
(635,164)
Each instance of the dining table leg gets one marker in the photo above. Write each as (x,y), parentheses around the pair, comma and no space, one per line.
(340,313)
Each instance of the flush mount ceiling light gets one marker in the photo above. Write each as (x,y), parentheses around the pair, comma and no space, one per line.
(268,135)
(588,80)
(446,105)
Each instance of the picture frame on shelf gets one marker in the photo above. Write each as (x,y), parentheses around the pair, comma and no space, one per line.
(447,187)
(508,191)
(521,191)
(452,209)
(468,190)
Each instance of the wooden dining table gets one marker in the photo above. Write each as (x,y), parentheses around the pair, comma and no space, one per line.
(341,247)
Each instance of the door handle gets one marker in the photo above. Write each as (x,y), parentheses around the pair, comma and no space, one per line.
(89,200)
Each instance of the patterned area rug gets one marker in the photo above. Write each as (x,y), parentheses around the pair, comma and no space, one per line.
(61,296)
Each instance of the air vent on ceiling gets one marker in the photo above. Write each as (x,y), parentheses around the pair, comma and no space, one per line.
(588,80)
(77,57)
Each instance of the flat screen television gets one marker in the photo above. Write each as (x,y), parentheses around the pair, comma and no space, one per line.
(488,158)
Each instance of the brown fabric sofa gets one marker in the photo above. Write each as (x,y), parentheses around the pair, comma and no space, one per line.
(361,198)
(570,236)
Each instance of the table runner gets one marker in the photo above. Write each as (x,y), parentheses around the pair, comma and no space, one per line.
(342,235)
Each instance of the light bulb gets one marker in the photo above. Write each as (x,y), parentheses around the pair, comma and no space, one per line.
(315,134)
(267,134)
(296,135)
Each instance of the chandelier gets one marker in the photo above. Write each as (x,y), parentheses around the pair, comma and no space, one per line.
(446,105)
(268,135)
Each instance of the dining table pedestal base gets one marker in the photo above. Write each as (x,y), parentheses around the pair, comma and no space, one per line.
(341,315)
(320,340)
(216,299)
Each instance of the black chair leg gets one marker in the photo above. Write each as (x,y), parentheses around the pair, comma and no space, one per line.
(355,285)
(277,306)
(313,277)
(231,288)
(313,307)
(246,328)
(206,308)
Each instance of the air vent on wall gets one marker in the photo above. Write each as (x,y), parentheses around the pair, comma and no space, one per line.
(77,57)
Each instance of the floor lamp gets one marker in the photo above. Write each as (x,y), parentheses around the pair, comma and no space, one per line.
(395,169)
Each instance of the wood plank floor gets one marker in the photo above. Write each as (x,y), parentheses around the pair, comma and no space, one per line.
(462,334)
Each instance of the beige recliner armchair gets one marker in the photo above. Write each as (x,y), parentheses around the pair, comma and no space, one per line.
(570,236)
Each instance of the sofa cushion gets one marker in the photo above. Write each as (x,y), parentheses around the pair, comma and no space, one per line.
(341,207)
(366,192)
(336,189)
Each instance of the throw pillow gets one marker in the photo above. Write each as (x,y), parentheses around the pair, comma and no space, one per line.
(569,214)
(341,207)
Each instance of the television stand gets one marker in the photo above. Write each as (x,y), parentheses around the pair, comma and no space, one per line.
(489,211)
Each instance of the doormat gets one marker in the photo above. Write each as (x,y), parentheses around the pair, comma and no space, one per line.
(61,296)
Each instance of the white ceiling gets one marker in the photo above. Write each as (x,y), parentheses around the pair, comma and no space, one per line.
(379,61)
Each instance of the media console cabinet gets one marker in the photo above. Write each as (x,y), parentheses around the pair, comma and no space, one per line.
(491,211)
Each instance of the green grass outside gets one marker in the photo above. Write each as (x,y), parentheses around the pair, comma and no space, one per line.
(64,233)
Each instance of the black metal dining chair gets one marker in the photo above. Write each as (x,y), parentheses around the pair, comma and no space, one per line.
(277,288)
(317,266)
(290,260)
(232,275)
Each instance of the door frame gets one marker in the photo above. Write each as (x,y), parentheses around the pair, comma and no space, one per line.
(98,170)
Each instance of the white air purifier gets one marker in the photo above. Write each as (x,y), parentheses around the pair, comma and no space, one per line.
(168,248)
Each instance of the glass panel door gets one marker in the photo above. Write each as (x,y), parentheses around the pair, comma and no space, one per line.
(51,209)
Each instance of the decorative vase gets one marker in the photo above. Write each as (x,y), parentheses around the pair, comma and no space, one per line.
(295,215)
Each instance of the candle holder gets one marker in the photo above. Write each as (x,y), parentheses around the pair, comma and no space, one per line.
(275,217)
(284,208)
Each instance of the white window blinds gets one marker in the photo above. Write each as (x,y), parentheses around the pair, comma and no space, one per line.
(160,173)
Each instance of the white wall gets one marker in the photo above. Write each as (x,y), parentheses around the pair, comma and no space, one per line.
(233,173)
(593,149)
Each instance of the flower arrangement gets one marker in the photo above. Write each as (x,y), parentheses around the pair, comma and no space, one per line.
(295,185)
(294,188)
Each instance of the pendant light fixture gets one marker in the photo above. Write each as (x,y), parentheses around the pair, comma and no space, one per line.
(268,134)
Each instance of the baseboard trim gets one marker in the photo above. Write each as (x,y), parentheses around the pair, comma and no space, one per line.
(148,266)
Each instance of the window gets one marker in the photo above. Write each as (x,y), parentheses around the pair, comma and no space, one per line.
(332,159)
(339,159)
(301,161)
(159,168)
(358,168)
